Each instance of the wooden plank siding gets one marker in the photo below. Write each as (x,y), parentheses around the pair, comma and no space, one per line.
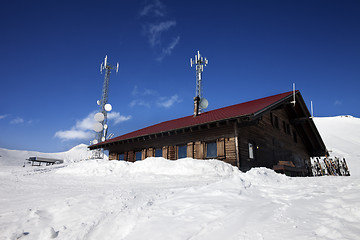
(272,142)
(271,137)
(113,156)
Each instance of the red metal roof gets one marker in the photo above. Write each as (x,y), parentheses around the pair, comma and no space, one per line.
(238,110)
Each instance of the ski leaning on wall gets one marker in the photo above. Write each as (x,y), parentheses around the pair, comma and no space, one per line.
(328,166)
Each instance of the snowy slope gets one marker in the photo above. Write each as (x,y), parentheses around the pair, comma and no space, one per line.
(17,158)
(342,138)
(184,199)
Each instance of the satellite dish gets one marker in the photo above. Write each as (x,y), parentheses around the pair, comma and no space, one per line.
(103,139)
(98,102)
(105,126)
(99,117)
(203,103)
(95,141)
(108,107)
(98,127)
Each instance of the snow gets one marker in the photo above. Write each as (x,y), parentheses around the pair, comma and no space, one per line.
(341,135)
(17,158)
(184,199)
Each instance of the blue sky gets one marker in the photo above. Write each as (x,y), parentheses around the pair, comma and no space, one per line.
(50,54)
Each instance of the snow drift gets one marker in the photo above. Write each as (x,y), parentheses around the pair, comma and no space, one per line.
(151,166)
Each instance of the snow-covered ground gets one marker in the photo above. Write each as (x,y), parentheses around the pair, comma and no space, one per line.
(183,199)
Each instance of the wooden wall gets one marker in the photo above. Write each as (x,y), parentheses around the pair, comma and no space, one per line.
(271,142)
(195,140)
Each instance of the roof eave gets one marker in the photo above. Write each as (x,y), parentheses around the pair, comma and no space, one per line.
(100,145)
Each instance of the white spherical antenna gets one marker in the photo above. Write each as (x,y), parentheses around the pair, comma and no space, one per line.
(105,126)
(203,103)
(99,117)
(103,139)
(95,141)
(98,102)
(98,127)
(108,107)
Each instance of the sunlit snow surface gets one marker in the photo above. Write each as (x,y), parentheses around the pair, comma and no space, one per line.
(184,199)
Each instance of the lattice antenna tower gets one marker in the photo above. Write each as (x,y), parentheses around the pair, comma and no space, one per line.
(199,61)
(101,126)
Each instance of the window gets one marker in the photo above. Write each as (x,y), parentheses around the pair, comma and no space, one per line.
(138,156)
(211,150)
(121,157)
(295,137)
(251,151)
(182,151)
(276,122)
(288,129)
(284,126)
(158,152)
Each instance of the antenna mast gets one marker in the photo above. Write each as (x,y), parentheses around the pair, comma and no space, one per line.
(101,127)
(294,92)
(200,62)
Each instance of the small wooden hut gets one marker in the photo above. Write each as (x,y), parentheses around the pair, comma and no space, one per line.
(270,132)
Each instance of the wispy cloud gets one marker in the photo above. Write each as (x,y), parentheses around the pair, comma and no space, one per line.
(140,103)
(74,134)
(144,97)
(154,9)
(154,32)
(168,102)
(4,116)
(168,50)
(144,92)
(83,129)
(117,118)
(337,103)
(154,29)
(17,120)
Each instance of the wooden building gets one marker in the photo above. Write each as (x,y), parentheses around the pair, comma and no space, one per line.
(269,132)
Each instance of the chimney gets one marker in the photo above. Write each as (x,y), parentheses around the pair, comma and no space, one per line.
(196,106)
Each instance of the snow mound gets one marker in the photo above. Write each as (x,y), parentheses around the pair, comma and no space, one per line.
(265,175)
(185,166)
(97,167)
(151,166)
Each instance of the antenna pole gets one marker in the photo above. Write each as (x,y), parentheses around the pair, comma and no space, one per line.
(294,100)
(200,62)
(312,109)
(101,135)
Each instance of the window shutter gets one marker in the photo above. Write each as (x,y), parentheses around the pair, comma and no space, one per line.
(190,150)
(165,152)
(131,156)
(221,148)
(199,150)
(112,156)
(143,154)
(150,152)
